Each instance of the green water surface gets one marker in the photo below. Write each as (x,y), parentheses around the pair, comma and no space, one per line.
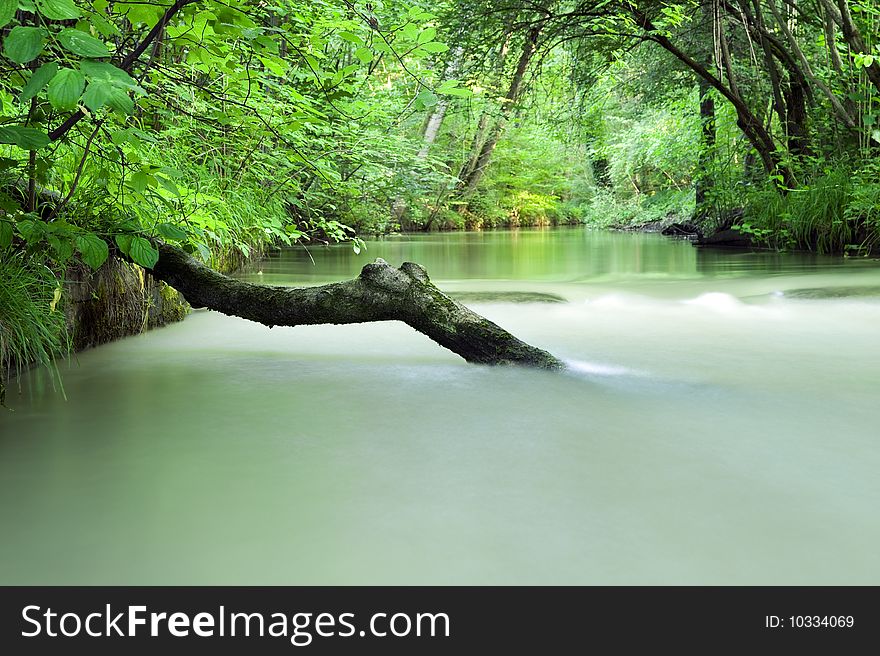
(718,425)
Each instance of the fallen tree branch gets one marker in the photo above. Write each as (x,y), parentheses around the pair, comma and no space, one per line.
(380,293)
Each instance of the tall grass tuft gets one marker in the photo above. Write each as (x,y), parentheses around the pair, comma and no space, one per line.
(835,213)
(32,325)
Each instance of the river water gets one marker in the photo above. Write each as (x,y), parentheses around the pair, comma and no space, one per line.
(718,425)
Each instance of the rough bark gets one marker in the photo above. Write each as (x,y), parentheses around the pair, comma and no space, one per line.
(380,293)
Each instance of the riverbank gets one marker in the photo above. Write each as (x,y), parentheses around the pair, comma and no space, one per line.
(47,314)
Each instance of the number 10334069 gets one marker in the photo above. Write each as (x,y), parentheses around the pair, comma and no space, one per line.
(809,621)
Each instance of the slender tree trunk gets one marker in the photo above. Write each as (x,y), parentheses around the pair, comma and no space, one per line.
(429,134)
(483,124)
(432,129)
(779,105)
(476,146)
(705,180)
(380,293)
(830,28)
(470,182)
(435,121)
(796,118)
(726,60)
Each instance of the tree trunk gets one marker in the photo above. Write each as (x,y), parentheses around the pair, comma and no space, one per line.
(470,182)
(380,293)
(779,105)
(830,27)
(839,109)
(435,122)
(476,146)
(704,180)
(432,129)
(429,134)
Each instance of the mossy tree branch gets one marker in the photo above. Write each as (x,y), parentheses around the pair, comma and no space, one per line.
(380,293)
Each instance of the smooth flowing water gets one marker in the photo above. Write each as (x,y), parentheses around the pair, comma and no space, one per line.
(718,425)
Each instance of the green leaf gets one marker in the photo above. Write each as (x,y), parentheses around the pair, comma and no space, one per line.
(451,88)
(97,94)
(124,242)
(351,38)
(434,46)
(58,9)
(93,250)
(146,13)
(426,35)
(7,203)
(23,44)
(95,70)
(409,31)
(62,247)
(121,102)
(139,181)
(168,185)
(456,91)
(31,231)
(38,81)
(26,138)
(365,55)
(5,234)
(82,44)
(7,11)
(425,99)
(143,253)
(66,88)
(172,232)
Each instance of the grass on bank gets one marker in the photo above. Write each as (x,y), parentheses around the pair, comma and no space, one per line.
(32,325)
(838,212)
